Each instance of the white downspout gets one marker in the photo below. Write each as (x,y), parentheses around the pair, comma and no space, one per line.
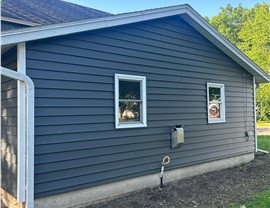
(255,118)
(29,131)
(1,136)
(21,124)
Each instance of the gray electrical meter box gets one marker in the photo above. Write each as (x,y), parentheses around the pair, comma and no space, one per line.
(177,136)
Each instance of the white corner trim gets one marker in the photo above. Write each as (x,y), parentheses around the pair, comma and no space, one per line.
(21,123)
(142,80)
(29,131)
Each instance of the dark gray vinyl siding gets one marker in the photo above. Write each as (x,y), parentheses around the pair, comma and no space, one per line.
(9,126)
(76,143)
(11,26)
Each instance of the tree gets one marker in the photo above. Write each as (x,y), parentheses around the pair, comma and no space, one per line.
(263,102)
(255,36)
(256,45)
(249,30)
(230,21)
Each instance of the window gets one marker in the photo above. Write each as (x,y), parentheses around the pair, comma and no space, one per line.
(130,101)
(216,102)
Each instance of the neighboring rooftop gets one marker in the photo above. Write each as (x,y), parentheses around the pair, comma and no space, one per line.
(46,12)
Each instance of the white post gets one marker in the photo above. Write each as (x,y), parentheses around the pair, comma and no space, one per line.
(21,124)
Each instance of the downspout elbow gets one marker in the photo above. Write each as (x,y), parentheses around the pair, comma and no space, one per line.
(29,84)
(18,76)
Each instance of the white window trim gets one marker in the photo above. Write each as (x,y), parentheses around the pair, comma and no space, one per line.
(222,119)
(142,79)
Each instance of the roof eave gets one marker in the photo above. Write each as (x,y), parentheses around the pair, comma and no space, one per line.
(40,32)
(185,11)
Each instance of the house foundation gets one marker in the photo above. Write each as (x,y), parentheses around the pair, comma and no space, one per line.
(83,197)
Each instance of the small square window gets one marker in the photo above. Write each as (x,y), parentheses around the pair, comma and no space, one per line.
(216,102)
(130,101)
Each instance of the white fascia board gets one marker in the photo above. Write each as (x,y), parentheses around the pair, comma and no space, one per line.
(198,22)
(35,33)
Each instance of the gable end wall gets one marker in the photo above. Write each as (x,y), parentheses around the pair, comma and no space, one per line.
(76,143)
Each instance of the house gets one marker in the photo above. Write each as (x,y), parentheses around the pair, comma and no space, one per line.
(88,107)
(17,14)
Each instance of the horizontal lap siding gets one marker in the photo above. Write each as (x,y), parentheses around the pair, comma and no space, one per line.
(11,26)
(77,145)
(9,126)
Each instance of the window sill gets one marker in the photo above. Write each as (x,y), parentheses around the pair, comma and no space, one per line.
(128,126)
(216,121)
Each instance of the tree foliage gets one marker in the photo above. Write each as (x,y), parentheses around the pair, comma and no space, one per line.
(229,22)
(263,102)
(249,30)
(255,36)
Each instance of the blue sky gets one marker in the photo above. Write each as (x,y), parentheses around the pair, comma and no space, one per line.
(204,7)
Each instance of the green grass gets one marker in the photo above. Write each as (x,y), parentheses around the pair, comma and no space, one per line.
(261,200)
(263,124)
(264,142)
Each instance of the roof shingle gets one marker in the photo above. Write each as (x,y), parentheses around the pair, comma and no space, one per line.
(47,12)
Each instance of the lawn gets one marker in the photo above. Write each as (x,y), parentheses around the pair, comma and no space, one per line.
(261,200)
(264,142)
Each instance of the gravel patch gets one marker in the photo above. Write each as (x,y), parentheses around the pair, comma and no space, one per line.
(263,130)
(215,189)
